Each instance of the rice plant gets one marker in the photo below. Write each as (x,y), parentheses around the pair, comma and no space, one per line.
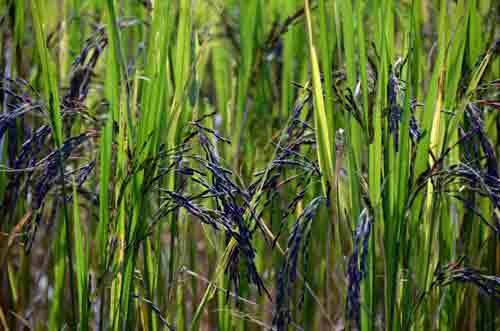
(249,165)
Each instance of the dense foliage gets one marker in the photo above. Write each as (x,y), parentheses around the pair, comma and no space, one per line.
(253,164)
